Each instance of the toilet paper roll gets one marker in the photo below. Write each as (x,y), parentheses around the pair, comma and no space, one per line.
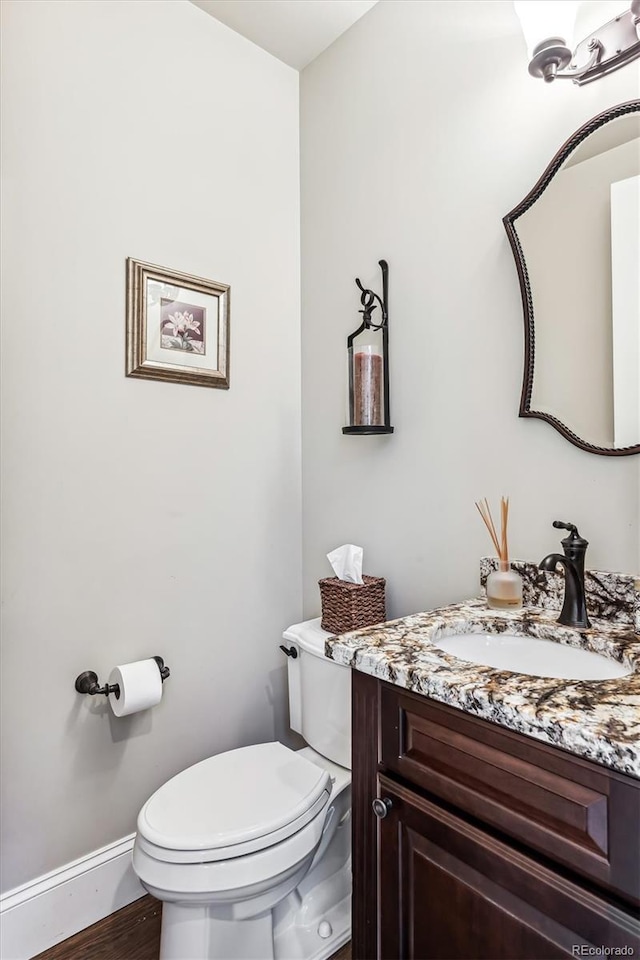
(140,687)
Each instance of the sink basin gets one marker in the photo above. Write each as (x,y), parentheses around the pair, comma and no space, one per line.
(538,658)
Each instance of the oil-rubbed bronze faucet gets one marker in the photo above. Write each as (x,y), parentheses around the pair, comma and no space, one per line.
(574,608)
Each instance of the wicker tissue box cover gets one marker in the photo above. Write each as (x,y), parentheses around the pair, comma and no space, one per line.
(349,606)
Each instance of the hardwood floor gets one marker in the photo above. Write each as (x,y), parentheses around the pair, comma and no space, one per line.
(132,933)
(344,953)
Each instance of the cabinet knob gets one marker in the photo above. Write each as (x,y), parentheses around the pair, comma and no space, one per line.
(381,807)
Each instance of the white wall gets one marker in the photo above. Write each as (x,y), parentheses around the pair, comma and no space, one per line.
(421,129)
(140,517)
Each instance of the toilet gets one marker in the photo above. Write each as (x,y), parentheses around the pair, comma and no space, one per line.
(250,850)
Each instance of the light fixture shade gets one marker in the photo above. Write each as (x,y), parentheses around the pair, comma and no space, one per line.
(543,19)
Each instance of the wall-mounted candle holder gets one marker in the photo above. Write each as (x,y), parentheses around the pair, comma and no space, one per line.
(368,359)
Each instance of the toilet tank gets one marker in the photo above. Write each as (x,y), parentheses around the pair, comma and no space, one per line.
(319,693)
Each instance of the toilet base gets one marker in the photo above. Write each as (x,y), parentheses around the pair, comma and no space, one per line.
(296,930)
(190,932)
(298,942)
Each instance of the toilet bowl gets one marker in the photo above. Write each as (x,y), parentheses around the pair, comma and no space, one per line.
(250,850)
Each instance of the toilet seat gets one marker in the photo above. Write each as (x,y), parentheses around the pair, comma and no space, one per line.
(230,879)
(233,804)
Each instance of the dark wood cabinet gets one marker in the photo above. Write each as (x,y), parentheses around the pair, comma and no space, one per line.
(491,846)
(450,891)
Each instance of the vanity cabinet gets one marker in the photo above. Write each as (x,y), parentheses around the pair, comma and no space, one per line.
(490,845)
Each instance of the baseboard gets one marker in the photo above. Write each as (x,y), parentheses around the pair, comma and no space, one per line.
(51,908)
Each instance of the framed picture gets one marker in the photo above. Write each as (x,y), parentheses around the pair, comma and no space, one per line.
(177,326)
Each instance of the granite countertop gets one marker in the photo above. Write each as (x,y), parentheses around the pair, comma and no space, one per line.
(595,719)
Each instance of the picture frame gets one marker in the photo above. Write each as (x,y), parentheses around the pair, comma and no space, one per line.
(177,326)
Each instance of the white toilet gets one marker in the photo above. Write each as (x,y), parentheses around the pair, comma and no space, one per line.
(250,850)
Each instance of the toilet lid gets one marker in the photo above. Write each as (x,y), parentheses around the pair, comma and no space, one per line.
(232,798)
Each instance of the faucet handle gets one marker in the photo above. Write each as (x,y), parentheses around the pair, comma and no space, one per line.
(574,545)
(571,527)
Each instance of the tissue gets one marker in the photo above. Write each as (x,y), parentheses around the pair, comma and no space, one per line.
(347,562)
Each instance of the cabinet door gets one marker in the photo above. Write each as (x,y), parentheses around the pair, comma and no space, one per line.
(574,812)
(448,891)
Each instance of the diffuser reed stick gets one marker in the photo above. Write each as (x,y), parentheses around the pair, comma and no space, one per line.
(504,518)
(504,586)
(501,545)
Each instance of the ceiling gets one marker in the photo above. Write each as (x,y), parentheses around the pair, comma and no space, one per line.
(295,31)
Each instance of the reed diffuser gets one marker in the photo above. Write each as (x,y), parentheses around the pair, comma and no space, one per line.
(504,585)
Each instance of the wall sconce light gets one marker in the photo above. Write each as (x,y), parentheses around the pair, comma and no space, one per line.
(548,29)
(368,358)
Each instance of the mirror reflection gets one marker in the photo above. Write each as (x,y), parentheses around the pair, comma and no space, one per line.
(580,243)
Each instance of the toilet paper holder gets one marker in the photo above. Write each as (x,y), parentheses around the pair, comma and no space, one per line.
(87,681)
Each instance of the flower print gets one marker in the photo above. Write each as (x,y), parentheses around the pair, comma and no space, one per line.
(177,323)
(190,323)
(181,331)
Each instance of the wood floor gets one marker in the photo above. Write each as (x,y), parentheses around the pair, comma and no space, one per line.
(132,933)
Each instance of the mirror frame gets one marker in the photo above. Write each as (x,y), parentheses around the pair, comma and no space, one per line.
(630,106)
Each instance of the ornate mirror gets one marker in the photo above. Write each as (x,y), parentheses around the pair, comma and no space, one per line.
(576,242)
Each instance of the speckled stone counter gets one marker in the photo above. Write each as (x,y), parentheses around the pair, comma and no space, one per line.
(595,719)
